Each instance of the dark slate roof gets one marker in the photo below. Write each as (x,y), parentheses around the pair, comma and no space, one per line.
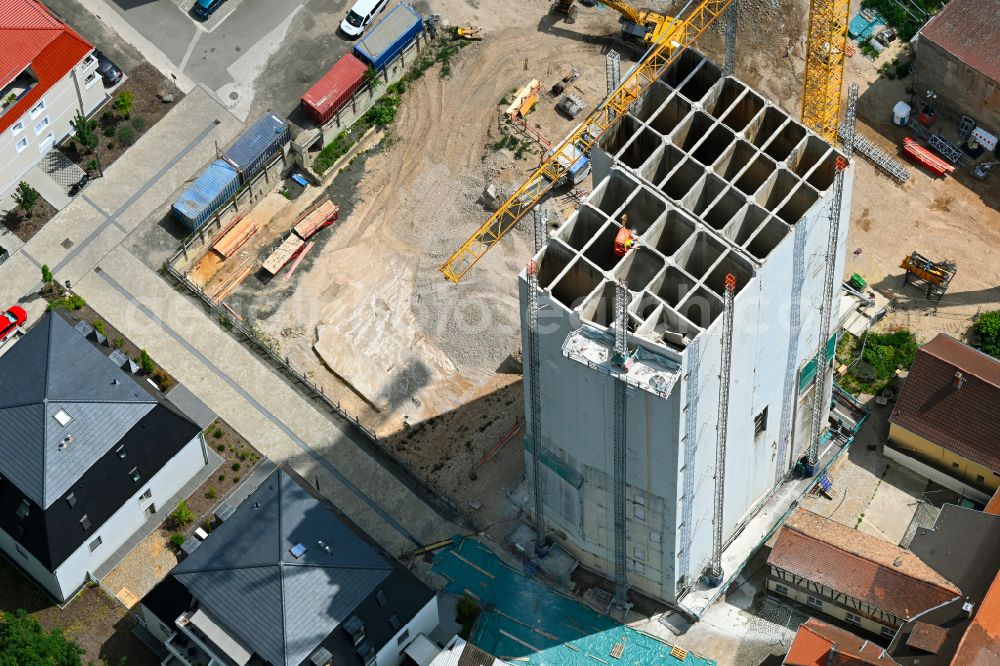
(962,420)
(52,369)
(961,546)
(968,29)
(283,607)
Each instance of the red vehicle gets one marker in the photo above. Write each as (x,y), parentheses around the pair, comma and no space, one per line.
(10,321)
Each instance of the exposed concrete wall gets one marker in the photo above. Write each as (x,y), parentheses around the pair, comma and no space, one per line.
(941,465)
(712,180)
(961,89)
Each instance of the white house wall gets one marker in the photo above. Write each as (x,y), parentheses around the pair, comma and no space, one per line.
(424,622)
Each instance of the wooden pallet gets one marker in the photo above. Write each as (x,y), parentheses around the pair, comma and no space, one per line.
(317,217)
(235,237)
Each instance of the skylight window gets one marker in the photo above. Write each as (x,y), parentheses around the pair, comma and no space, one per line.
(297,551)
(22,510)
(62,418)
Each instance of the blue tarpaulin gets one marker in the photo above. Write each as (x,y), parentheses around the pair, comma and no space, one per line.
(861,28)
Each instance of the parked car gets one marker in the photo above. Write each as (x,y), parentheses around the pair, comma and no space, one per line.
(361,15)
(205,8)
(108,70)
(10,321)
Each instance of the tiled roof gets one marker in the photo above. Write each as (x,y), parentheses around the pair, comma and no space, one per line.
(993,506)
(962,420)
(981,642)
(967,29)
(927,637)
(815,641)
(30,35)
(849,561)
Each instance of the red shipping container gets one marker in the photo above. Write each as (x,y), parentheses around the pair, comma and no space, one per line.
(333,90)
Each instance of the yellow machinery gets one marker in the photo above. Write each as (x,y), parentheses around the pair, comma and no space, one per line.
(473,33)
(936,274)
(826,45)
(644,26)
(676,36)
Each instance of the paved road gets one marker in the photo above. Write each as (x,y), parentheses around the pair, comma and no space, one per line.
(88,243)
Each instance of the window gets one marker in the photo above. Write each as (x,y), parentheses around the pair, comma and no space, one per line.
(71,500)
(760,422)
(780,589)
(22,144)
(639,512)
(90,80)
(135,474)
(955,465)
(640,554)
(979,478)
(121,452)
(85,523)
(852,618)
(640,499)
(402,638)
(814,602)
(17,127)
(394,622)
(888,632)
(639,567)
(23,509)
(37,109)
(62,418)
(95,544)
(42,124)
(381,598)
(654,537)
(146,496)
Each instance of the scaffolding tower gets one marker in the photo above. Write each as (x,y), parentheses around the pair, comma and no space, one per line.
(621,360)
(826,313)
(535,407)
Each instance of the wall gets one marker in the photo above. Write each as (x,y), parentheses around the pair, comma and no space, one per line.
(838,609)
(62,101)
(961,89)
(424,622)
(941,465)
(35,569)
(155,625)
(72,573)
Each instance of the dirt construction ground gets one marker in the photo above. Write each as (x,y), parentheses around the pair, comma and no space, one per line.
(370,319)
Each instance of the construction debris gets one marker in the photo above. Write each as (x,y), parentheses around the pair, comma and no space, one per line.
(524,100)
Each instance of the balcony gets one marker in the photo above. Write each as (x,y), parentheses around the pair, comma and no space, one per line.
(16,89)
(185,650)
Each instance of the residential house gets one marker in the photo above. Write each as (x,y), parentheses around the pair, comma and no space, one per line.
(459,652)
(48,74)
(961,546)
(288,580)
(820,644)
(88,454)
(852,576)
(944,424)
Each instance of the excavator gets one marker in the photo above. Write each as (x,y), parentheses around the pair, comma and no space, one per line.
(643,26)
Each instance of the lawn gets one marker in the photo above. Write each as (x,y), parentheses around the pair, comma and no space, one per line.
(873,359)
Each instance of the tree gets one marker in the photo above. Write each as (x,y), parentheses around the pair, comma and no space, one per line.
(26,197)
(23,642)
(124,101)
(988,328)
(47,276)
(182,515)
(84,128)
(146,363)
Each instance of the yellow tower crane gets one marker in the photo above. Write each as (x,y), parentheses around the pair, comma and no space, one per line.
(677,35)
(826,46)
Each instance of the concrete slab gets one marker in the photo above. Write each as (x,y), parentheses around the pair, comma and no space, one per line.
(893,505)
(192,407)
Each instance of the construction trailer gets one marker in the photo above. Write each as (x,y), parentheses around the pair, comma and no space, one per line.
(713,181)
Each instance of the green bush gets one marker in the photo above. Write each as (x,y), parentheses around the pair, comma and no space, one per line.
(988,328)
(125,135)
(99,327)
(211,493)
(70,302)
(217,433)
(146,363)
(138,123)
(84,131)
(47,274)
(236,479)
(24,641)
(26,197)
(236,467)
(177,540)
(384,111)
(333,152)
(119,343)
(109,131)
(124,101)
(885,352)
(182,515)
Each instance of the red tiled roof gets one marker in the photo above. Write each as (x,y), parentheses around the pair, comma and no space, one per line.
(969,30)
(981,643)
(962,420)
(927,637)
(993,506)
(869,569)
(29,35)
(815,640)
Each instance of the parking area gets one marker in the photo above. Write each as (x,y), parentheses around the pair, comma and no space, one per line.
(232,48)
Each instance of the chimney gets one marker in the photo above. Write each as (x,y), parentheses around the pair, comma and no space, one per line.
(958,380)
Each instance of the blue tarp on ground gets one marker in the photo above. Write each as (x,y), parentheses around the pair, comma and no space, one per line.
(526,621)
(861,28)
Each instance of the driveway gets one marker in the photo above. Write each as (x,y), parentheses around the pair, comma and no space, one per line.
(229,51)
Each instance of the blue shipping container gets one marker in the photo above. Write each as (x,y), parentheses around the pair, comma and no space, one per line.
(206,195)
(257,145)
(387,38)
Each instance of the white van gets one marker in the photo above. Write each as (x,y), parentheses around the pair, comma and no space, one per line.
(360,15)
